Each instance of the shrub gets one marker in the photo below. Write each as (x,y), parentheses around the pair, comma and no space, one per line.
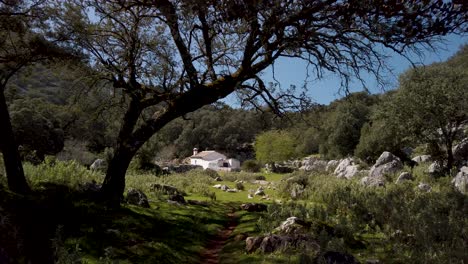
(240,186)
(251,166)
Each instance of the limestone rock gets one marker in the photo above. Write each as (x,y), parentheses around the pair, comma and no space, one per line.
(99,165)
(260,191)
(461,180)
(422,158)
(346,169)
(292,225)
(435,168)
(404,176)
(387,163)
(331,165)
(460,151)
(253,243)
(137,197)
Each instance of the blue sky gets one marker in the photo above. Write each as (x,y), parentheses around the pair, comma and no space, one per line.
(293,72)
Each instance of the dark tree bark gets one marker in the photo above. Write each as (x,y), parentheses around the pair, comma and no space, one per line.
(13,166)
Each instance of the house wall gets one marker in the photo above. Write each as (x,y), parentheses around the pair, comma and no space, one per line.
(235,164)
(204,163)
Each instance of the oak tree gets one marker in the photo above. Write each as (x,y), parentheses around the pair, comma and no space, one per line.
(172,57)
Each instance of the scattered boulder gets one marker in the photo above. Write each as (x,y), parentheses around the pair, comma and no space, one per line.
(293,225)
(333,257)
(137,197)
(177,198)
(166,189)
(99,165)
(272,243)
(224,187)
(313,164)
(253,243)
(331,165)
(404,176)
(422,159)
(460,151)
(218,179)
(250,196)
(375,182)
(254,207)
(424,187)
(435,168)
(217,186)
(461,180)
(346,169)
(231,190)
(260,191)
(387,163)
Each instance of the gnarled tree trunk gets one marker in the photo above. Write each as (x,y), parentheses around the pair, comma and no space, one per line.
(13,166)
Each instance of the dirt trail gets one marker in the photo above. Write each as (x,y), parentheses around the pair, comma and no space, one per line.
(211,253)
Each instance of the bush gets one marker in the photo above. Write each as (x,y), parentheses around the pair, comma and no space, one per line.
(240,186)
(251,166)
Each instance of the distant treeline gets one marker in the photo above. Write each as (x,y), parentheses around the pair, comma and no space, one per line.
(53,108)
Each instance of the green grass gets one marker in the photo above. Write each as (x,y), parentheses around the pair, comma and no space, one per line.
(344,215)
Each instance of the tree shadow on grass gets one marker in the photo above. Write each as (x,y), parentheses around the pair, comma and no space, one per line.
(57,218)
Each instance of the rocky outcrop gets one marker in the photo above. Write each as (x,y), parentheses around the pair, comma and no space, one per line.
(291,234)
(137,197)
(347,168)
(313,164)
(461,180)
(386,164)
(422,159)
(293,225)
(331,165)
(272,243)
(460,152)
(260,191)
(435,168)
(404,176)
(99,165)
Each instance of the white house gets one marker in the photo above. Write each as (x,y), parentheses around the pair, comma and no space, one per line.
(213,160)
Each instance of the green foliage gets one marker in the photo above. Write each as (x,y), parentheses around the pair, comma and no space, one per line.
(69,173)
(275,146)
(37,128)
(341,132)
(251,166)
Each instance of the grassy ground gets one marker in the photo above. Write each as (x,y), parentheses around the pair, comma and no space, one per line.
(395,224)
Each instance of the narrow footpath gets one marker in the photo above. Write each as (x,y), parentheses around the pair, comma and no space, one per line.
(211,253)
